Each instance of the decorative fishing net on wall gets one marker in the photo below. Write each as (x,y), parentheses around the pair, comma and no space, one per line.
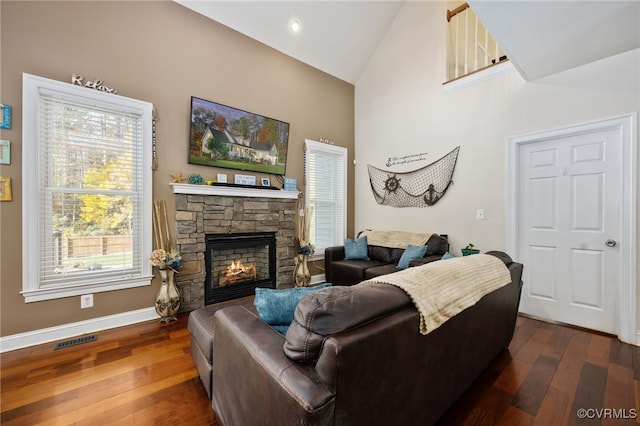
(417,188)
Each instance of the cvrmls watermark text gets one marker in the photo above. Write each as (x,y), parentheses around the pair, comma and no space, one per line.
(607,413)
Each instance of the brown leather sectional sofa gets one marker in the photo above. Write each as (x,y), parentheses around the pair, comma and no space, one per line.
(382,261)
(356,358)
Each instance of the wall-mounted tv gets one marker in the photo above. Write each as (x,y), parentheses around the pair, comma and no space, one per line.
(230,138)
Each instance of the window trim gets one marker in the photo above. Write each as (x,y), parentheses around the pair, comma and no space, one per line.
(31,208)
(311,145)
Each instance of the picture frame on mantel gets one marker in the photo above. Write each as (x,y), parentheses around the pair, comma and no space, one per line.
(5,188)
(5,151)
(5,116)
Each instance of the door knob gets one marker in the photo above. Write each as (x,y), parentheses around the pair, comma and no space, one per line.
(611,243)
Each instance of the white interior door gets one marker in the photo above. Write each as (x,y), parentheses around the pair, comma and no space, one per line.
(570,199)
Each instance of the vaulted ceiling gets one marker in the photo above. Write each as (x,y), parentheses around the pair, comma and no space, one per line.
(338,37)
(542,38)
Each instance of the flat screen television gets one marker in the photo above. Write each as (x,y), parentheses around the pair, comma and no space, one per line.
(230,138)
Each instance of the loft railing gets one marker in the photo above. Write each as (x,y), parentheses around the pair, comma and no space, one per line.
(470,46)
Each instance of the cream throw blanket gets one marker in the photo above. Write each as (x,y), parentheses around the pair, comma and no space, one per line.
(442,289)
(395,239)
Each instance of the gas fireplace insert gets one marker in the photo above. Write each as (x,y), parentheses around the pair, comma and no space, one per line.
(238,263)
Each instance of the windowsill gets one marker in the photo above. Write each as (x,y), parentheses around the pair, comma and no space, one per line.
(38,295)
(475,77)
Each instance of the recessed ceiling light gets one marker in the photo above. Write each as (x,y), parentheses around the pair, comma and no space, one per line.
(294,25)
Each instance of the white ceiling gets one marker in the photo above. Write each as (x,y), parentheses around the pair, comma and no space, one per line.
(542,38)
(339,36)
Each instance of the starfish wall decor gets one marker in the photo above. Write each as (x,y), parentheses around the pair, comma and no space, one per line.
(177,177)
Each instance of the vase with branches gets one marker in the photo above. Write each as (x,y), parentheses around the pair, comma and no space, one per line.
(304,248)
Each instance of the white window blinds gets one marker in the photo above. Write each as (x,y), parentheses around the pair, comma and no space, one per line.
(87,167)
(326,194)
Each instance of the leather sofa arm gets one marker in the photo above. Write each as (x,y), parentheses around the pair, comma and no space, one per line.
(252,376)
(331,254)
(334,253)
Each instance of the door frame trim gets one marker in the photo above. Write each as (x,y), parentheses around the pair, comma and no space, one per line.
(626,302)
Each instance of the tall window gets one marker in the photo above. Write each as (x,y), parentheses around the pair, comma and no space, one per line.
(326,194)
(86,190)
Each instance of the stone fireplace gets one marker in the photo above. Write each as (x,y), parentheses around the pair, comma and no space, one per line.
(203,211)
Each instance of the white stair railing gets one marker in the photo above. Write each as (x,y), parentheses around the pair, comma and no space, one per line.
(470,46)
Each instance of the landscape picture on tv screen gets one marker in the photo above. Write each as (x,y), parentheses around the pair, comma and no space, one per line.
(226,137)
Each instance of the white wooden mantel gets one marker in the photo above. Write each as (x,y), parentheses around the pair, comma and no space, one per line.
(229,191)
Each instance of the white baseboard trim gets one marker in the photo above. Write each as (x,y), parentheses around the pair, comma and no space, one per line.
(65,331)
(317,279)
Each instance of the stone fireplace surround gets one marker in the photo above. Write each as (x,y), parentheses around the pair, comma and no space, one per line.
(203,209)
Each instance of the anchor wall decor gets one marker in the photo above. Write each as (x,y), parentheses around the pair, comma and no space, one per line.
(417,188)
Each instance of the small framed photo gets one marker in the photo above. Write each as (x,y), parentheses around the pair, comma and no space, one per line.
(266,182)
(244,180)
(5,152)
(222,178)
(5,188)
(290,184)
(5,116)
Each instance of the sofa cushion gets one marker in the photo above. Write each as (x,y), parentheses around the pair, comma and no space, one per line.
(382,254)
(354,268)
(385,254)
(335,310)
(376,271)
(424,260)
(200,322)
(411,253)
(356,249)
(396,254)
(282,329)
(276,307)
(437,245)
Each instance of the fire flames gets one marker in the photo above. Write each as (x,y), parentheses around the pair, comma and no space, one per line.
(237,272)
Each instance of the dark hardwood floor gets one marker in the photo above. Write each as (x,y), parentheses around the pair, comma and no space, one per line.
(143,375)
(550,375)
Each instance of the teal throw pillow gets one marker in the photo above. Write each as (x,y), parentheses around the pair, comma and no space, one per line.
(356,249)
(446,256)
(276,307)
(411,253)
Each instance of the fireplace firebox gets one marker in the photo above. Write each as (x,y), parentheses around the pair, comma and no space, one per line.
(238,263)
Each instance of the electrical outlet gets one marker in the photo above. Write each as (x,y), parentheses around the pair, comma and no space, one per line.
(86,301)
(480,214)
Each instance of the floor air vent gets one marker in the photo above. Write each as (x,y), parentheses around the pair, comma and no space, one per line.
(76,341)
